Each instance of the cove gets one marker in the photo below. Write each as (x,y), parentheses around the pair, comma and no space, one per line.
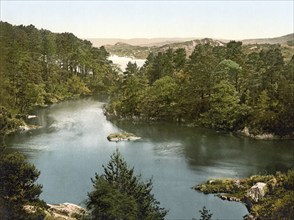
(72,145)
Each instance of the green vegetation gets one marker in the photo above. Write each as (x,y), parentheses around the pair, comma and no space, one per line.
(249,46)
(38,67)
(17,179)
(18,188)
(222,87)
(226,87)
(120,194)
(276,203)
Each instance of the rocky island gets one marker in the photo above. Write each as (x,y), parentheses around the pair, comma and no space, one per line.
(122,137)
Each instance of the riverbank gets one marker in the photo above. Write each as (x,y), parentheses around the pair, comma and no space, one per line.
(263,136)
(245,132)
(265,196)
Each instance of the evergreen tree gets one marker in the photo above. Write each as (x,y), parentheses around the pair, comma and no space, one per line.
(131,69)
(120,194)
(18,188)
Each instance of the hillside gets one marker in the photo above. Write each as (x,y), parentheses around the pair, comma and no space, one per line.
(97,42)
(123,49)
(250,45)
(286,40)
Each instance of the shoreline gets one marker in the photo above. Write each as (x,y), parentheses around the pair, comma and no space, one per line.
(241,133)
(265,196)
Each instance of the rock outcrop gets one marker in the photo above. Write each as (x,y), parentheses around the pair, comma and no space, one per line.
(65,211)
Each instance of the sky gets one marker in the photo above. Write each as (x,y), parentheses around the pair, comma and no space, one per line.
(239,19)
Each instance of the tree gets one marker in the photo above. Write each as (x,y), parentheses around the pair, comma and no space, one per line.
(18,188)
(228,70)
(234,52)
(76,86)
(263,118)
(120,194)
(179,59)
(159,99)
(131,69)
(201,66)
(205,214)
(225,111)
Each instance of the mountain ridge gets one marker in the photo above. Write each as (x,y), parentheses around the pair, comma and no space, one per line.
(97,42)
(283,40)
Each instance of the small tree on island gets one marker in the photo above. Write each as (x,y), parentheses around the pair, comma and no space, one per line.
(120,194)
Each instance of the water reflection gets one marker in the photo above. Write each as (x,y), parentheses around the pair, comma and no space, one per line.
(206,149)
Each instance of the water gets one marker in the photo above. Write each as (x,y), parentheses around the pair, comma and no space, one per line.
(71,146)
(123,61)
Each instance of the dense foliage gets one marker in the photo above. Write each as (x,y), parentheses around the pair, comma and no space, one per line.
(120,194)
(39,67)
(223,87)
(18,188)
(17,179)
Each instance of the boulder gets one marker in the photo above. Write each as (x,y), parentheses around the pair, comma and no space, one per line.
(257,191)
(245,131)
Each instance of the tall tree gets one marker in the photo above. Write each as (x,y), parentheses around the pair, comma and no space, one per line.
(120,194)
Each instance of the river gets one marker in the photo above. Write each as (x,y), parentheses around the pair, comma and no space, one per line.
(71,146)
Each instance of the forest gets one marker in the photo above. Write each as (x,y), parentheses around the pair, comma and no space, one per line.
(220,87)
(38,67)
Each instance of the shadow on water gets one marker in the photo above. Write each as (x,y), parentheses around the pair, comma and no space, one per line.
(205,148)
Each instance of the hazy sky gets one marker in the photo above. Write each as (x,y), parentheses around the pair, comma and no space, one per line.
(132,19)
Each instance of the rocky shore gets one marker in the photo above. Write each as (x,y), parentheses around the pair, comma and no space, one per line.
(65,211)
(263,136)
(265,196)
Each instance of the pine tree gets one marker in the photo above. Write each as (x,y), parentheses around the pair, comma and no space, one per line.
(120,194)
(18,188)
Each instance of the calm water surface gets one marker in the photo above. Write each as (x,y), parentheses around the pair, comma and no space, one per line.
(71,146)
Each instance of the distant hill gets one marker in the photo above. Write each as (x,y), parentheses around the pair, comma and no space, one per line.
(141,47)
(286,40)
(124,49)
(97,42)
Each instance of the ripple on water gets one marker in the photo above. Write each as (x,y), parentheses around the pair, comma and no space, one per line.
(168,149)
